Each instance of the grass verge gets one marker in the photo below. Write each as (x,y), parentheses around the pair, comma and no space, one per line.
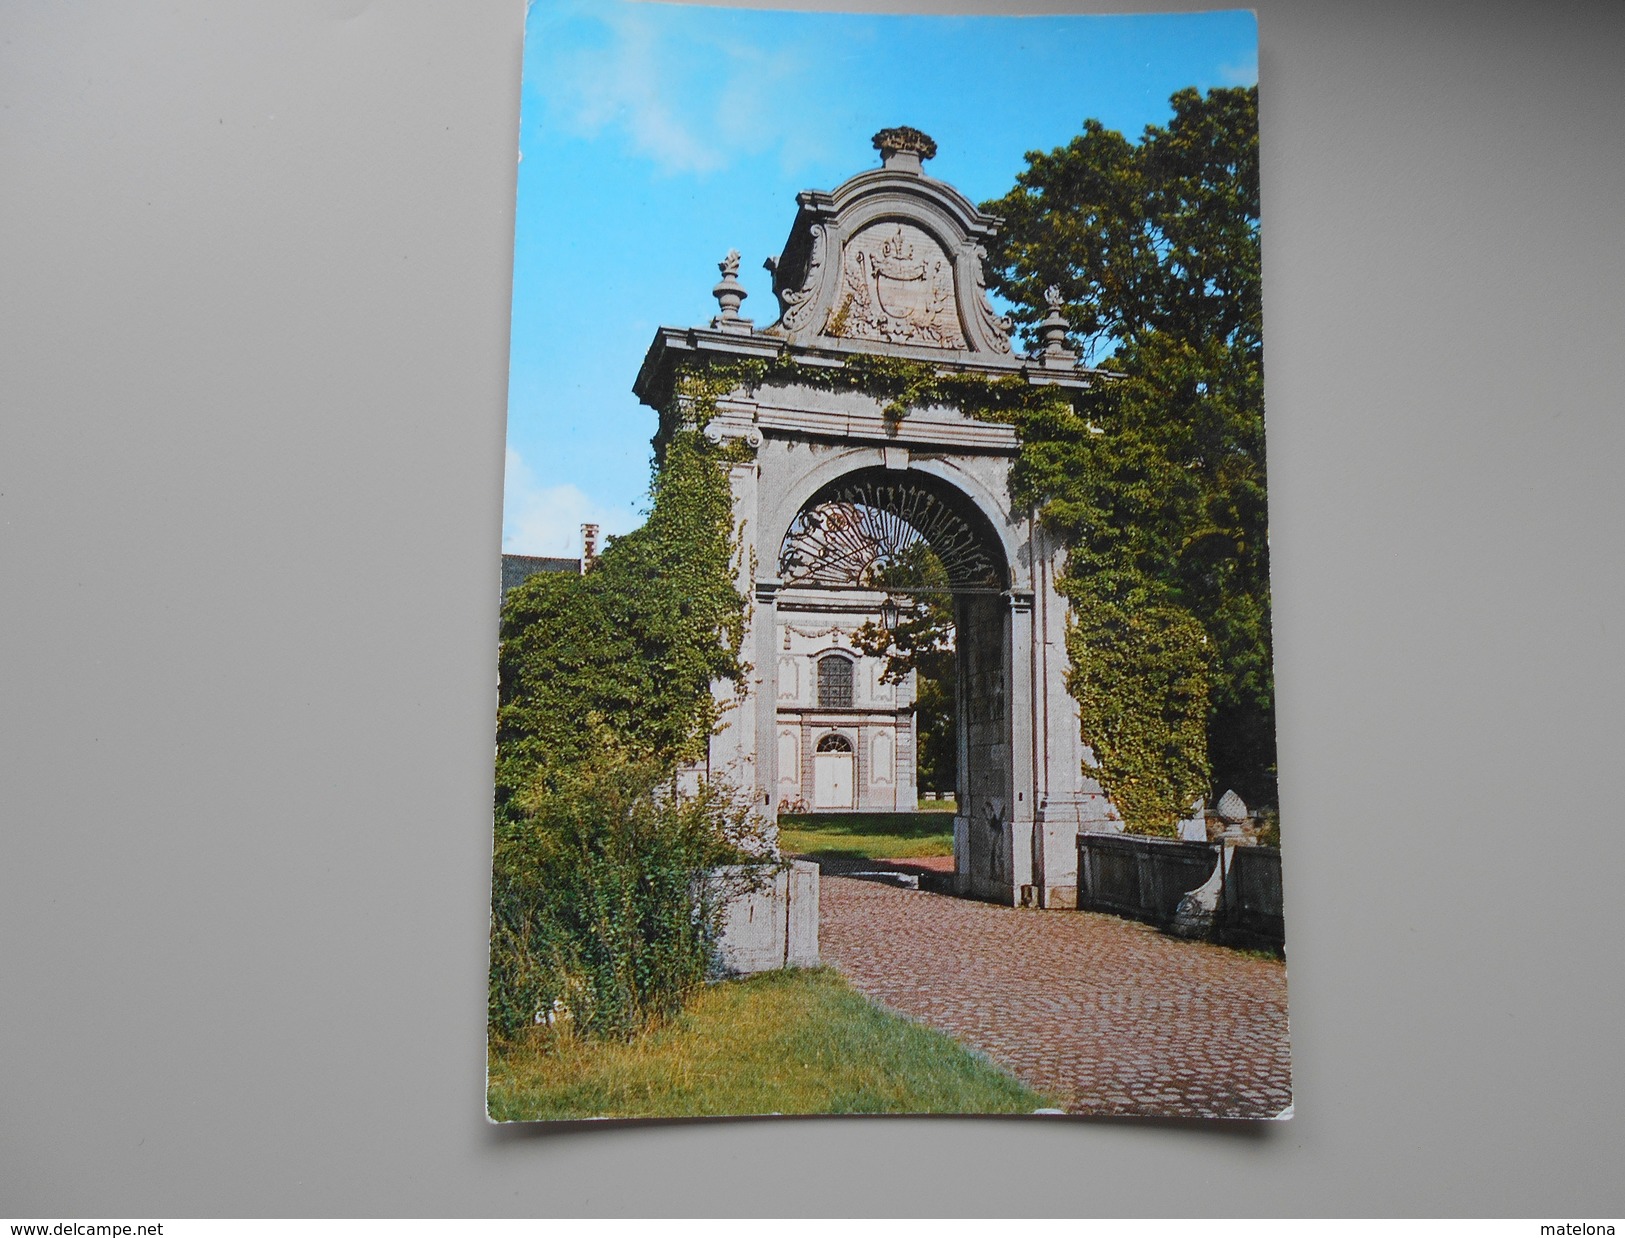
(867,835)
(783,1042)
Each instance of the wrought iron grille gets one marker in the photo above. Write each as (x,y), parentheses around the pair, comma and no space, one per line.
(868,534)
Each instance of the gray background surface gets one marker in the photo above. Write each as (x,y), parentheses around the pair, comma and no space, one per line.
(253,353)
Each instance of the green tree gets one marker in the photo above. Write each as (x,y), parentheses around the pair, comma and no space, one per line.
(635,644)
(607,888)
(1157,482)
(922,643)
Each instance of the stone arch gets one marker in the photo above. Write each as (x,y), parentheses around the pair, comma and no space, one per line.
(795,438)
(993,661)
(994,515)
(868,522)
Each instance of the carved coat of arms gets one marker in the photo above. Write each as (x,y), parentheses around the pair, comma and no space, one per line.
(897,287)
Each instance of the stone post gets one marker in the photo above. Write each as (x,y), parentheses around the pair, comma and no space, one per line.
(1027,849)
(733,750)
(765,682)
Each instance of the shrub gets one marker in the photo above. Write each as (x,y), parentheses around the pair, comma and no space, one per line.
(638,641)
(1140,675)
(606,905)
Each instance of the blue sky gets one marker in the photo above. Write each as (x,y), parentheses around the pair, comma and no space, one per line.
(656,137)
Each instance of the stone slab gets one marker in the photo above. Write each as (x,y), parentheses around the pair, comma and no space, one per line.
(773,926)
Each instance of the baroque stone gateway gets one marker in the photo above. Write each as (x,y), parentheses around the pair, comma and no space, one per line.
(830,487)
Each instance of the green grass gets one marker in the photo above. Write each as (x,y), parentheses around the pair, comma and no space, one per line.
(783,1042)
(867,835)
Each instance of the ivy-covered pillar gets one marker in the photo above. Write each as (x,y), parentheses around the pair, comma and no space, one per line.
(734,745)
(765,686)
(1069,799)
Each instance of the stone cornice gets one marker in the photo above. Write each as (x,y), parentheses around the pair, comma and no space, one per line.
(671,345)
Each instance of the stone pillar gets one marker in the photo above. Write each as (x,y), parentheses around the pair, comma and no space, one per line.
(1027,848)
(765,688)
(735,746)
(1068,799)
(986,820)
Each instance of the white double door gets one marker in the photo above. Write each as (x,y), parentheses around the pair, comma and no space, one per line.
(833,779)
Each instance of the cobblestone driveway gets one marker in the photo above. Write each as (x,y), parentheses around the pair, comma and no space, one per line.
(1111,1015)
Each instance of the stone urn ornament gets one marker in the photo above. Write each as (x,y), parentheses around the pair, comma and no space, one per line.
(730,294)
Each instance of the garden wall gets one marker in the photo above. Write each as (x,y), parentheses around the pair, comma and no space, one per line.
(1145,879)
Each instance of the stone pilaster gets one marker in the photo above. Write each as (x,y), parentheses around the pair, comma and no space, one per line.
(1027,851)
(765,683)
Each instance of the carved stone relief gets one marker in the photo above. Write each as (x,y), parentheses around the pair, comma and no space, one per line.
(897,286)
(814,633)
(798,303)
(998,325)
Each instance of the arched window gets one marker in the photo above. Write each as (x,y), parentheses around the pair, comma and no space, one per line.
(834,682)
(835,743)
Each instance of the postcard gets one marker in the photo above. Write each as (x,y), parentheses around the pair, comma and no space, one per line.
(886,712)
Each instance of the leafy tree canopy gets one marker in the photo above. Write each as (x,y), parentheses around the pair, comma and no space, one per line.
(1156,481)
(634,645)
(921,642)
(1155,237)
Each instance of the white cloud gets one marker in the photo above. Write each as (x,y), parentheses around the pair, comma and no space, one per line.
(1240,73)
(688,103)
(547,520)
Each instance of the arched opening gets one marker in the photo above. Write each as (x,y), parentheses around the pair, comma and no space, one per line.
(891,529)
(912,575)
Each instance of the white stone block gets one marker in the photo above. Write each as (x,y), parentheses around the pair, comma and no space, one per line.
(773,926)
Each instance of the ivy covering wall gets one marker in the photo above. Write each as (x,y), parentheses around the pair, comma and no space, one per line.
(606,894)
(636,643)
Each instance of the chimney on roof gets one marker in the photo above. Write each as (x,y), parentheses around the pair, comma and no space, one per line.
(589,546)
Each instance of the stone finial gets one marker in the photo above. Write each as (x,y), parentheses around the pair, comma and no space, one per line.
(904,148)
(729,292)
(1052,332)
(1232,808)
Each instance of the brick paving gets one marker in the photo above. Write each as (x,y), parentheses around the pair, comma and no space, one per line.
(1111,1015)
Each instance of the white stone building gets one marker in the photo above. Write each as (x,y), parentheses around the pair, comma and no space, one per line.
(846,737)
